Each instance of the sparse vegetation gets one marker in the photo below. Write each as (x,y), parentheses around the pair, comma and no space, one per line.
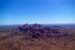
(37,37)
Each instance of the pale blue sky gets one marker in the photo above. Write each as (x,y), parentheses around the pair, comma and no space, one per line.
(37,11)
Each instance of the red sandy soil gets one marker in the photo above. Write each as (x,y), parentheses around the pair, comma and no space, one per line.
(32,39)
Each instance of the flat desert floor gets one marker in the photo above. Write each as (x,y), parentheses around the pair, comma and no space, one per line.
(37,38)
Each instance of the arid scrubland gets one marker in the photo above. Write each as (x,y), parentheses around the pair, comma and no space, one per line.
(37,37)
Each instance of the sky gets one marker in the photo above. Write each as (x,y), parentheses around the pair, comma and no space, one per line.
(37,11)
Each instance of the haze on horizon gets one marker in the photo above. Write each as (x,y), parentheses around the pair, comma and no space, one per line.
(37,11)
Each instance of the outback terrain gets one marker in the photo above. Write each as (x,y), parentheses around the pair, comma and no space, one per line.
(37,37)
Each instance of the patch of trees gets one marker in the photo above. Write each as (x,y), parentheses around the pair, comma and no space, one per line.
(38,30)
